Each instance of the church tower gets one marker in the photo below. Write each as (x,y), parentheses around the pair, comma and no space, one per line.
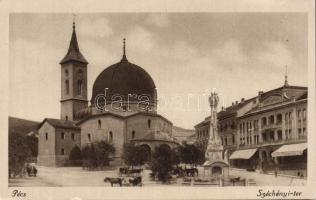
(73,80)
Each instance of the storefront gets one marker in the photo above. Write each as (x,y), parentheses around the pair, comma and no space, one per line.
(292,159)
(245,159)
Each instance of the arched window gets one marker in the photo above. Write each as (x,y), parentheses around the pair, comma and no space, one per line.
(133,134)
(66,117)
(66,72)
(62,135)
(46,136)
(79,87)
(149,123)
(110,136)
(67,86)
(89,137)
(99,124)
(62,151)
(80,72)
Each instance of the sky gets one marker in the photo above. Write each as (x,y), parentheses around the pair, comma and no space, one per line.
(187,55)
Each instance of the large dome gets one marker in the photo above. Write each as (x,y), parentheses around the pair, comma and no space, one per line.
(122,79)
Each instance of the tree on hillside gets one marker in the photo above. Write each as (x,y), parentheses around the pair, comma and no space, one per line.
(19,154)
(32,143)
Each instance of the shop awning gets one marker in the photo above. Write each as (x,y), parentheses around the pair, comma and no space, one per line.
(243,154)
(290,150)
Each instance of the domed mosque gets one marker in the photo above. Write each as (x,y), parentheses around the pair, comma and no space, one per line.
(123,109)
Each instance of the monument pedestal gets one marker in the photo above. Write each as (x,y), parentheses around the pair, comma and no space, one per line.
(215,165)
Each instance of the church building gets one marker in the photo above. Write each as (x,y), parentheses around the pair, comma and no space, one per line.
(123,109)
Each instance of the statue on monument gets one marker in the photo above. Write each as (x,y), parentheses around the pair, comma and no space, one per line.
(214,149)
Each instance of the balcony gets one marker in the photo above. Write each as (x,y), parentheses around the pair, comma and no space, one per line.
(272,142)
(271,126)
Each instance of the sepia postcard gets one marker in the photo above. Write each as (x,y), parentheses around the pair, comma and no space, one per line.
(158,100)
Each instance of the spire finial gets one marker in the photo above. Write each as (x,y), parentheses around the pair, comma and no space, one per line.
(73,21)
(124,51)
(124,40)
(285,78)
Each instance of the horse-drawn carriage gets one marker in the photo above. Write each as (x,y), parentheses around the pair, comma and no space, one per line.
(127,177)
(124,181)
(186,172)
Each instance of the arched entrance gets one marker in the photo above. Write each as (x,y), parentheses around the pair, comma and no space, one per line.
(165,146)
(147,151)
(217,171)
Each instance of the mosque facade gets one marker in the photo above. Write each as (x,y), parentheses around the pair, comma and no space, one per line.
(123,109)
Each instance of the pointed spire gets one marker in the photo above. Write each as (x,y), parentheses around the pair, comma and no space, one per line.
(285,78)
(74,53)
(124,51)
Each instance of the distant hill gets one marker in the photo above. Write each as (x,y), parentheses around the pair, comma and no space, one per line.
(22,126)
(181,133)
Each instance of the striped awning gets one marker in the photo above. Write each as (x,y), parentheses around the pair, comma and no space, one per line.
(243,154)
(290,150)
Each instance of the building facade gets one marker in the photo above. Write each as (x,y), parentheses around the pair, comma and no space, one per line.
(266,133)
(123,109)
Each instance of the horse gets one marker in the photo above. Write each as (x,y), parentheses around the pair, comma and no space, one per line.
(178,171)
(136,181)
(113,181)
(191,172)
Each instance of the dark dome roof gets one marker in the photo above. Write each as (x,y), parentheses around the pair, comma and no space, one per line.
(123,78)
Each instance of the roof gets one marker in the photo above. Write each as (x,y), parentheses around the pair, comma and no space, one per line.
(209,163)
(60,123)
(124,116)
(243,154)
(290,150)
(232,110)
(287,93)
(126,80)
(158,136)
(22,126)
(74,53)
(203,123)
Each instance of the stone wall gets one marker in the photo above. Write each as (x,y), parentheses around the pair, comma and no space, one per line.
(46,148)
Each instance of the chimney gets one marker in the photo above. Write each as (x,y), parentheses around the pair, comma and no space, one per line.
(232,103)
(236,102)
(242,99)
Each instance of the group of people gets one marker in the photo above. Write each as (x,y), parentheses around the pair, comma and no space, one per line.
(31,170)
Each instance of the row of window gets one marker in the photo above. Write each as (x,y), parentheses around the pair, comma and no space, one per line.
(248,140)
(203,133)
(225,126)
(246,127)
(62,136)
(110,136)
(100,123)
(79,88)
